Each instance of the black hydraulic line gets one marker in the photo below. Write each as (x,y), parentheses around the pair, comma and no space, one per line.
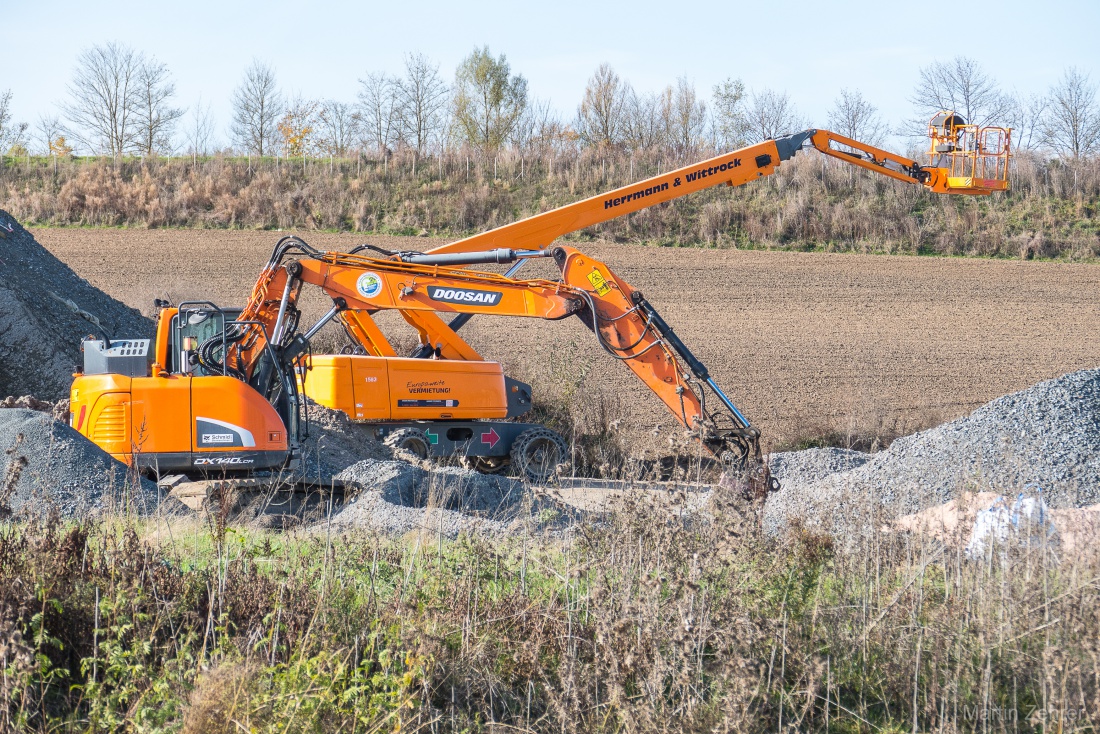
(488,257)
(382,251)
(697,368)
(461,258)
(459,321)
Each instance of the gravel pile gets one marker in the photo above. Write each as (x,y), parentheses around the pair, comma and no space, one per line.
(335,443)
(450,487)
(369,511)
(41,332)
(48,466)
(397,497)
(1047,436)
(803,467)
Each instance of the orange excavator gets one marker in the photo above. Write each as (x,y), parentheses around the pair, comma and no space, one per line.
(220,389)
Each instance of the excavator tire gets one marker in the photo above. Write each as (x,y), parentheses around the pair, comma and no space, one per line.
(539,454)
(412,440)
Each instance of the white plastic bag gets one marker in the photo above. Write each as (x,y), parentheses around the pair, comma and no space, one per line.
(1025,521)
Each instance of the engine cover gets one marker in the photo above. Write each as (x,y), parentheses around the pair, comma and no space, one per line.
(400,388)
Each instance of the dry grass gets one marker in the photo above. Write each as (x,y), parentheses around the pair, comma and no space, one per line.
(812,203)
(645,622)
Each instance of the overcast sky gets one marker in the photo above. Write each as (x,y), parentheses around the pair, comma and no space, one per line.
(321,47)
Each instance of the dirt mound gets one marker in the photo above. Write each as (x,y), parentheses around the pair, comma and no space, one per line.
(47,466)
(40,329)
(59,410)
(953,522)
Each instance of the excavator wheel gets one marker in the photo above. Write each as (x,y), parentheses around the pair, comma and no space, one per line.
(537,455)
(410,439)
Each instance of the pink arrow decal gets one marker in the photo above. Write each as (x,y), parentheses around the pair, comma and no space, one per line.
(491,438)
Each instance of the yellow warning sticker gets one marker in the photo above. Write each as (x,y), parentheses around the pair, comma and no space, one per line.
(598,282)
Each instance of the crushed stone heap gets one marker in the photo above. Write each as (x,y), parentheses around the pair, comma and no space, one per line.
(48,467)
(1046,437)
(41,332)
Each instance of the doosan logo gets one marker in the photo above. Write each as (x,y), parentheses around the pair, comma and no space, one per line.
(461,295)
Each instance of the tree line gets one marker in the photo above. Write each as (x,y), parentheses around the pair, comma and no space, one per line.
(122,102)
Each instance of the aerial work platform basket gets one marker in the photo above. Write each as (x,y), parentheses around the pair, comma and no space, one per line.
(974,158)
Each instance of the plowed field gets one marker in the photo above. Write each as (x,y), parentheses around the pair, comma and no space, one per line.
(802,342)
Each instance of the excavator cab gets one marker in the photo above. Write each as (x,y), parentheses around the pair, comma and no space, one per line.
(171,404)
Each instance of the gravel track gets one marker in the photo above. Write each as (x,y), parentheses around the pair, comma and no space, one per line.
(1046,438)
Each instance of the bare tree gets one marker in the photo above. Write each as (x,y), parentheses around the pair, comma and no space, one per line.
(643,126)
(422,99)
(853,116)
(103,98)
(11,135)
(378,109)
(488,100)
(257,106)
(5,114)
(540,129)
(338,126)
(1026,120)
(963,86)
(154,118)
(51,134)
(1071,126)
(769,115)
(601,116)
(730,122)
(685,117)
(200,129)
